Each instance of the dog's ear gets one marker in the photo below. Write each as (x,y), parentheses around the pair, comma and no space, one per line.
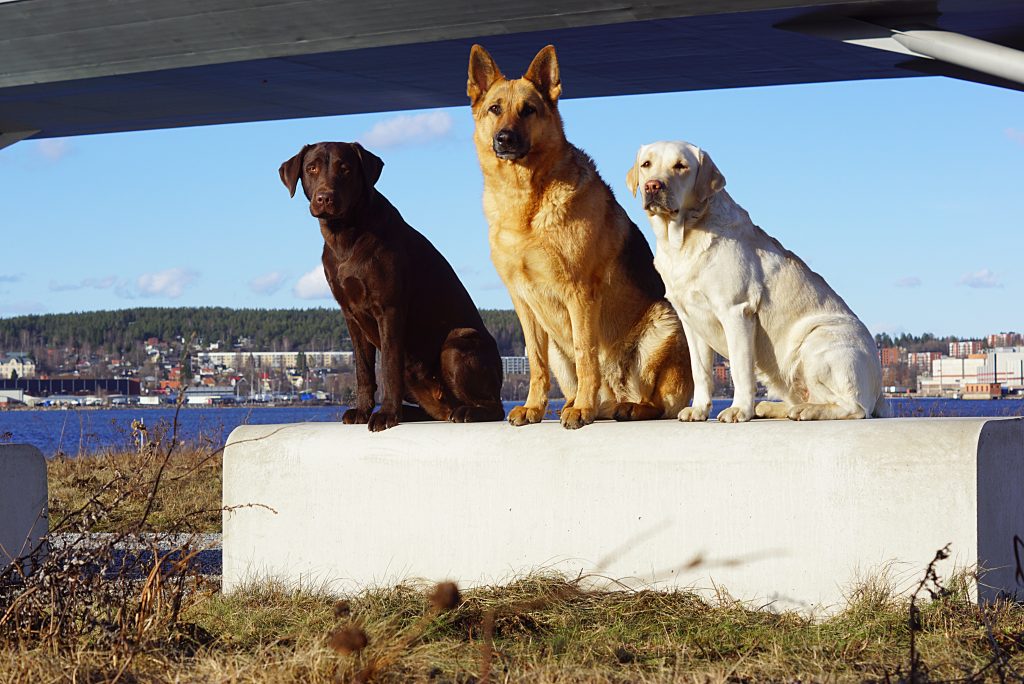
(371,163)
(543,73)
(633,176)
(291,170)
(483,73)
(709,179)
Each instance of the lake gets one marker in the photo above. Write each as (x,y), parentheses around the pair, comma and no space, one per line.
(84,431)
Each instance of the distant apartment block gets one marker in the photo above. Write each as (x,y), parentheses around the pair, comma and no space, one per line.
(17,365)
(515,365)
(922,360)
(892,356)
(1005,339)
(964,348)
(264,360)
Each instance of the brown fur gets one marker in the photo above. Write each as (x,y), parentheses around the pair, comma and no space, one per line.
(399,295)
(580,273)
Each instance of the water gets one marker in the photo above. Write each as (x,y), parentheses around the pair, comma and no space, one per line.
(84,431)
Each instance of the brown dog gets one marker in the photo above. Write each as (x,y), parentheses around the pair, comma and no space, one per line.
(398,295)
(580,273)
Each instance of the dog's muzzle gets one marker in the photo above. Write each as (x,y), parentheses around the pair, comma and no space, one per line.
(656,197)
(508,144)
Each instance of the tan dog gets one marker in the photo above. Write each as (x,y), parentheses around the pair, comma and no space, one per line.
(580,273)
(742,294)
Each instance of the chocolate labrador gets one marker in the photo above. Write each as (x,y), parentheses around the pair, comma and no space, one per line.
(398,295)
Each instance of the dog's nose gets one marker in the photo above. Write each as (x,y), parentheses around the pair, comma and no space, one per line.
(324,198)
(653,187)
(506,137)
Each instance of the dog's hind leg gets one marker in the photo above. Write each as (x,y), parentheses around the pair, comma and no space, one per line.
(471,369)
(837,385)
(771,409)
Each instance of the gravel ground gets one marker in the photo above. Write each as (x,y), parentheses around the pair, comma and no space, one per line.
(132,549)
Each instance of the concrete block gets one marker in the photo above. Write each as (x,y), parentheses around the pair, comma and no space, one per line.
(24,518)
(793,514)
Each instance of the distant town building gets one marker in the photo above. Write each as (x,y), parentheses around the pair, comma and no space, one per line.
(922,360)
(892,356)
(17,365)
(964,348)
(1004,339)
(949,375)
(515,365)
(73,386)
(262,360)
(982,390)
(1004,366)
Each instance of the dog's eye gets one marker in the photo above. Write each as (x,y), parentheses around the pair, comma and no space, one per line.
(528,110)
(311,168)
(494,109)
(645,165)
(680,166)
(344,169)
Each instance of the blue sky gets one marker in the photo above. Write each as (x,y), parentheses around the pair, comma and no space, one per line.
(904,194)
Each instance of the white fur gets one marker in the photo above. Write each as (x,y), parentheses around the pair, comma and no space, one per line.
(740,293)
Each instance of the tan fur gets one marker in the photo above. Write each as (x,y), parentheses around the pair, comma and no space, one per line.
(590,302)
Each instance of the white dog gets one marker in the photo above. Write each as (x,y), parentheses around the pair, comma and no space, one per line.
(742,294)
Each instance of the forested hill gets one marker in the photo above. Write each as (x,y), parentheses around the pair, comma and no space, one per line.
(266,329)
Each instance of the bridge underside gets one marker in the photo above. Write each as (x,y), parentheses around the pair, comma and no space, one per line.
(83,67)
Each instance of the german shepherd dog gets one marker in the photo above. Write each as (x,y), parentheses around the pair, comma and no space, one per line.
(580,274)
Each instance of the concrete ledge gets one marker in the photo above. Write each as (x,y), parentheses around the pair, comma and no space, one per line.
(793,513)
(24,517)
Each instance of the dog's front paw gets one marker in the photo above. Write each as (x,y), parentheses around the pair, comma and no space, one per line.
(734,414)
(693,414)
(523,415)
(382,420)
(356,416)
(574,418)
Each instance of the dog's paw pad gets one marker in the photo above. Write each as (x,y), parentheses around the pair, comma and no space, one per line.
(692,414)
(355,417)
(382,420)
(734,414)
(521,415)
(574,418)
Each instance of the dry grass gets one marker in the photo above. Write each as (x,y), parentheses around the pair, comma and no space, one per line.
(88,616)
(544,630)
(187,498)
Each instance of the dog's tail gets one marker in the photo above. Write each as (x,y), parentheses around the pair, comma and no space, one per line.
(881,409)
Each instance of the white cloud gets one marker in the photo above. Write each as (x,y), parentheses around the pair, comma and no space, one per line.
(908,281)
(313,285)
(407,129)
(1015,135)
(54,149)
(980,279)
(170,283)
(103,283)
(268,283)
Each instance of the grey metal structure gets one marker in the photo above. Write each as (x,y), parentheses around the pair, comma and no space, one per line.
(76,67)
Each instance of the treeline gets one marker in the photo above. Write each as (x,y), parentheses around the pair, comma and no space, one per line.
(120,331)
(917,343)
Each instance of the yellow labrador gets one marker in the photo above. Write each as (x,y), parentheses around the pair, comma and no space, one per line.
(742,294)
